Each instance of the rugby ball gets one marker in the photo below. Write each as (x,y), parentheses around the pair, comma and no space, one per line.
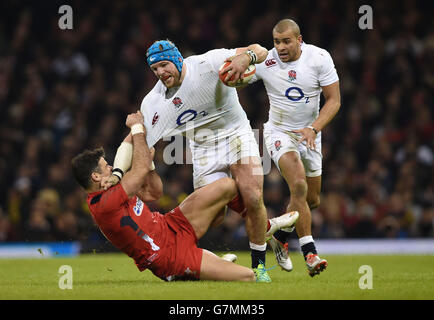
(245,78)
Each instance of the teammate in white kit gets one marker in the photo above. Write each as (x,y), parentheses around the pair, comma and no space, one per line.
(294,75)
(190,99)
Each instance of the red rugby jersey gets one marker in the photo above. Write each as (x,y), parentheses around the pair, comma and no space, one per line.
(129,224)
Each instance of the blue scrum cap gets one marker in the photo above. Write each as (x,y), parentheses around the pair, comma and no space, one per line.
(164,50)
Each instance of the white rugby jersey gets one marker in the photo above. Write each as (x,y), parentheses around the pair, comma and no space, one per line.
(294,88)
(201,102)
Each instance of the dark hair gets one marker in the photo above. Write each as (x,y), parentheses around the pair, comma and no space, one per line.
(84,164)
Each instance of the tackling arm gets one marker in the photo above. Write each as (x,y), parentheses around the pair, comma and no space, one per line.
(123,157)
(152,187)
(141,159)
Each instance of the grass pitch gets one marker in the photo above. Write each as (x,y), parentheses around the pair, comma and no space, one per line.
(114,276)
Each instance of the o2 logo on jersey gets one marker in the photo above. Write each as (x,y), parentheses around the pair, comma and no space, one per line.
(294,98)
(138,208)
(189,115)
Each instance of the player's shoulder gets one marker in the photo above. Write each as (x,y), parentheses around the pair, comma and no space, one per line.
(94,197)
(157,91)
(196,63)
(193,58)
(105,200)
(315,52)
(211,59)
(203,56)
(220,54)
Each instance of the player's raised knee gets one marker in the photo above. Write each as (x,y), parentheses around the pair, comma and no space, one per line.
(228,188)
(314,202)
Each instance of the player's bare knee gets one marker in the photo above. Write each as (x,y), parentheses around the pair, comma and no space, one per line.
(253,200)
(200,230)
(246,275)
(314,202)
(299,189)
(249,276)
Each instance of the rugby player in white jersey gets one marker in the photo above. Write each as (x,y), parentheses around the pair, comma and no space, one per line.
(190,99)
(294,75)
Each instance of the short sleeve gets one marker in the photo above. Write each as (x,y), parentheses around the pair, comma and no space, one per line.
(327,71)
(150,116)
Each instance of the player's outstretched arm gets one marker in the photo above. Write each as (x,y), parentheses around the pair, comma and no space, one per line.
(260,53)
(244,57)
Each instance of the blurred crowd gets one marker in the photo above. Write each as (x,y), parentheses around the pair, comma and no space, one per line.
(62,91)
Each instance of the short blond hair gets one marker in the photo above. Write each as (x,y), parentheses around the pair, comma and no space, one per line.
(285,25)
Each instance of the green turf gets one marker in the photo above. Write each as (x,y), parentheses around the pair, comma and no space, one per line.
(114,276)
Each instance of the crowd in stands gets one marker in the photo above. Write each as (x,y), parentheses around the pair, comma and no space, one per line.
(62,91)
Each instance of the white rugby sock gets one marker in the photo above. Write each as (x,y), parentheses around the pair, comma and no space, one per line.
(259,247)
(304,240)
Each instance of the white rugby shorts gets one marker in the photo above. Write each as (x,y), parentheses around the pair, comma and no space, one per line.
(211,160)
(279,142)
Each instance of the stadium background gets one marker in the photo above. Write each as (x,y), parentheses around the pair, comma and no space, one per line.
(65,90)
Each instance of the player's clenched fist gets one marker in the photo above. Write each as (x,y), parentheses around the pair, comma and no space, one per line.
(134,118)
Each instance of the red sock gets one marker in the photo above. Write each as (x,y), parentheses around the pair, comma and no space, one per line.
(237,204)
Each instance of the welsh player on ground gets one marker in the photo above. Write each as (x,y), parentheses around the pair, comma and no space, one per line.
(164,244)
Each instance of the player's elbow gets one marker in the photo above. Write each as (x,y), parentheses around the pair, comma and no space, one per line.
(132,183)
(157,191)
(152,187)
(152,196)
(260,51)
